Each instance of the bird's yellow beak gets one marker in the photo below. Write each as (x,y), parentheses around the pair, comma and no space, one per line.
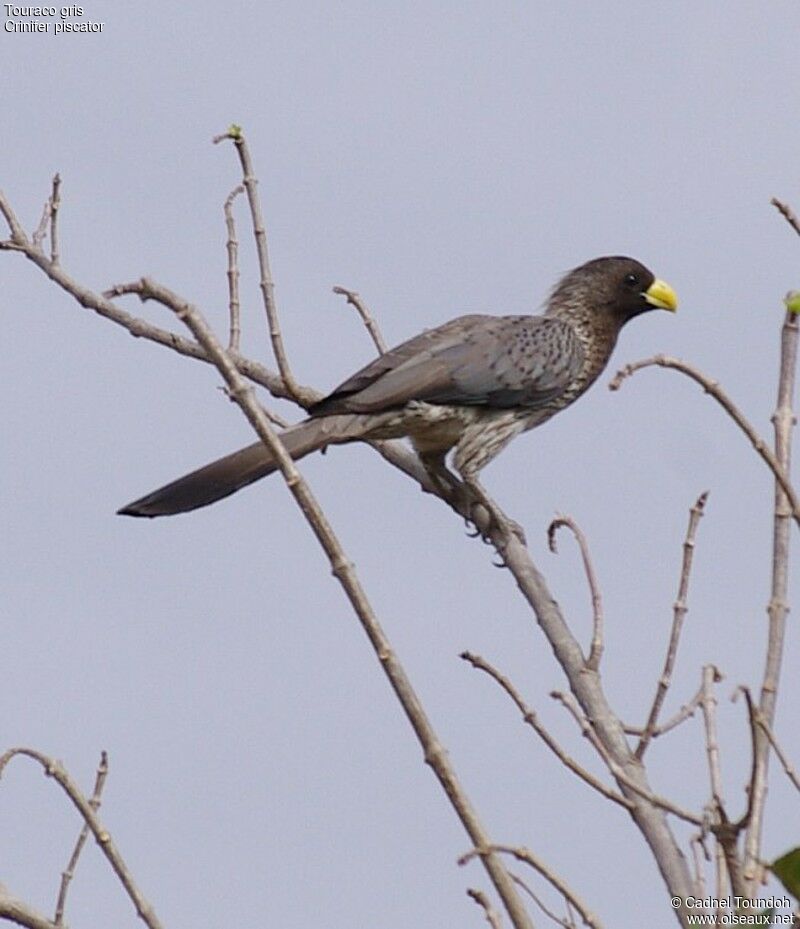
(661,295)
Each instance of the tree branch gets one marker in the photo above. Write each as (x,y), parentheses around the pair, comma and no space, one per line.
(69,873)
(266,283)
(530,718)
(678,615)
(596,648)
(526,856)
(232,248)
(367,318)
(783,421)
(56,770)
(713,388)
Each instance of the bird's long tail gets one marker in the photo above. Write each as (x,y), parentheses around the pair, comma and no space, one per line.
(227,475)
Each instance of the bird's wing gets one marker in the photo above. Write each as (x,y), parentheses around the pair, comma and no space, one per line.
(491,361)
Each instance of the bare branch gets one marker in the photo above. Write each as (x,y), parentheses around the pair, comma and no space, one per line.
(343,570)
(492,916)
(531,719)
(596,648)
(18,237)
(783,421)
(789,769)
(713,388)
(788,214)
(355,300)
(711,676)
(698,845)
(56,770)
(678,616)
(69,873)
(232,247)
(266,283)
(620,775)
(565,923)
(684,713)
(526,856)
(41,230)
(16,911)
(55,204)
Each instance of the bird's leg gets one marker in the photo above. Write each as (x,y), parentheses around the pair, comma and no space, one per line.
(495,515)
(444,481)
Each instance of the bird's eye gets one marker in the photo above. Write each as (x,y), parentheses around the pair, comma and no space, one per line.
(631,280)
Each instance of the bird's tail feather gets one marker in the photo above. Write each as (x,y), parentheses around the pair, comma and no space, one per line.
(227,475)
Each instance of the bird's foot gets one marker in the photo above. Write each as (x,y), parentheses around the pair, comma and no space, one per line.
(488,519)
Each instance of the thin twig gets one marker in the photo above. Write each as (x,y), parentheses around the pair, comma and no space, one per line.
(564,923)
(41,230)
(531,719)
(492,916)
(266,283)
(69,873)
(56,770)
(368,319)
(687,711)
(787,212)
(678,615)
(526,856)
(712,387)
(596,648)
(788,767)
(783,421)
(622,778)
(232,247)
(698,846)
(55,204)
(16,911)
(343,570)
(726,834)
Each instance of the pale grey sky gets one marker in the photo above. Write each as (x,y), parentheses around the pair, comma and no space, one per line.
(440,158)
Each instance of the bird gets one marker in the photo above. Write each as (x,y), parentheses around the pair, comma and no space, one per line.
(468,386)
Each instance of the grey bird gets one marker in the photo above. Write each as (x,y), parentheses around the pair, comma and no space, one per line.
(471,385)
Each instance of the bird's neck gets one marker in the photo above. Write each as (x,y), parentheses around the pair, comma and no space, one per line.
(598,339)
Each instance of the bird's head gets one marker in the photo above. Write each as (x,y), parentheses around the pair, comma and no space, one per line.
(614,288)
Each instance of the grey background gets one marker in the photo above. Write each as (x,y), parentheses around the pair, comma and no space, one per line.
(440,158)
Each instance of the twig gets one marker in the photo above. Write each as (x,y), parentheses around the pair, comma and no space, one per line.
(726,833)
(754,736)
(788,214)
(565,923)
(622,778)
(713,388)
(783,421)
(531,719)
(596,648)
(355,300)
(685,712)
(678,615)
(56,770)
(69,873)
(708,703)
(343,570)
(232,247)
(266,283)
(698,845)
(55,204)
(526,856)
(492,916)
(41,230)
(787,766)
(16,911)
